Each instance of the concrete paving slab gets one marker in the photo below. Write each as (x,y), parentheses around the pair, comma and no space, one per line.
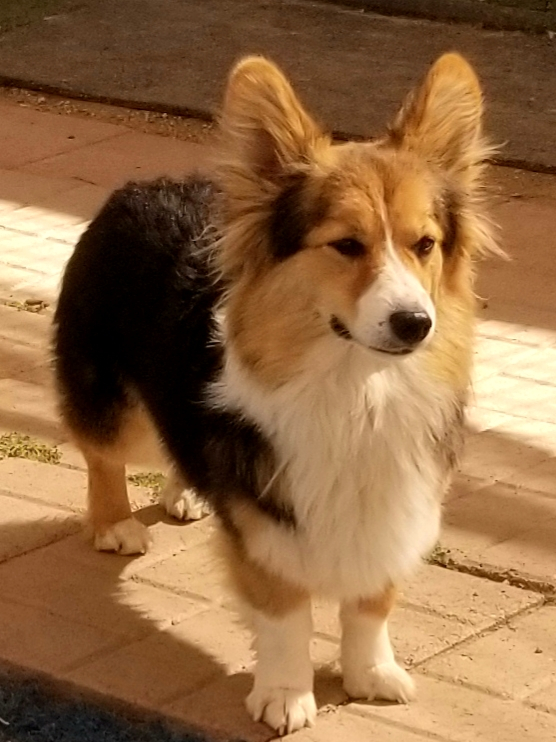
(21,145)
(525,652)
(23,644)
(25,328)
(169,539)
(26,525)
(130,156)
(75,206)
(219,708)
(54,485)
(20,189)
(453,713)
(171,662)
(339,725)
(29,409)
(90,597)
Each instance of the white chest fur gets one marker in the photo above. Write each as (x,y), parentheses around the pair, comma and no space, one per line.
(354,440)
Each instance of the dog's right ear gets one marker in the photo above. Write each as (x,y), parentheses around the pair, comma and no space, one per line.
(265,129)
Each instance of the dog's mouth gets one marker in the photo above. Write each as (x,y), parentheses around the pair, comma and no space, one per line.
(342,331)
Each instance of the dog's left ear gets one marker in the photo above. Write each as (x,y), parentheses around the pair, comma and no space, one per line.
(441,120)
(265,129)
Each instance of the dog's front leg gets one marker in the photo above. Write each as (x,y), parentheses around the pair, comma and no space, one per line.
(369,668)
(280,616)
(282,694)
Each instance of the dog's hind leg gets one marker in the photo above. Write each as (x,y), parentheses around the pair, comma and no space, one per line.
(369,668)
(114,527)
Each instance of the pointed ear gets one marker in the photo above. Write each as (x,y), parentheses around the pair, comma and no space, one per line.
(441,119)
(264,126)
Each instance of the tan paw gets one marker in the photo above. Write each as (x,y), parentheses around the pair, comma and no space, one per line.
(125,537)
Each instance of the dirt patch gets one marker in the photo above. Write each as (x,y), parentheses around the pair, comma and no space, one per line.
(147,122)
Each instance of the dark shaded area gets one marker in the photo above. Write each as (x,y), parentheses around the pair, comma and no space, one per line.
(531,16)
(32,710)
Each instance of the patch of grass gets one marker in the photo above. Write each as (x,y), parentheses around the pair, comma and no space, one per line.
(150,480)
(29,305)
(18,446)
(439,556)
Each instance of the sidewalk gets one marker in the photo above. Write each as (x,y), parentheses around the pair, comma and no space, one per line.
(159,630)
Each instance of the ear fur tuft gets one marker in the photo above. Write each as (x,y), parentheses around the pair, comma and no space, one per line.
(442,119)
(263,123)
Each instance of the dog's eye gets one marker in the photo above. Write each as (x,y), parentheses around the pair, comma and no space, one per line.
(348,246)
(423,246)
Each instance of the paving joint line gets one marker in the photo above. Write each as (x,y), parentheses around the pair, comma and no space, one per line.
(424,733)
(9,599)
(189,594)
(32,549)
(492,573)
(491,692)
(26,233)
(542,382)
(37,501)
(492,629)
(99,654)
(430,611)
(200,687)
(516,414)
(72,149)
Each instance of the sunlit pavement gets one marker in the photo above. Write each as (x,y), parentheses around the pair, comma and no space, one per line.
(159,630)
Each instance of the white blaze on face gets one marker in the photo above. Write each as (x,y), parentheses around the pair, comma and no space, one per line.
(395,289)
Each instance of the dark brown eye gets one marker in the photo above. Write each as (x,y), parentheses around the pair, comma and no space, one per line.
(350,247)
(423,246)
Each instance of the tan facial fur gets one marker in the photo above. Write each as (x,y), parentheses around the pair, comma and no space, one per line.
(420,181)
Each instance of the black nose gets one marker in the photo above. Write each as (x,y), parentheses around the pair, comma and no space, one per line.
(410,327)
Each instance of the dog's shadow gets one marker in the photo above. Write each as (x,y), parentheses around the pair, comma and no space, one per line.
(91,619)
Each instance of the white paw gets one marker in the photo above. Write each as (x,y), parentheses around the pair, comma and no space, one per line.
(183,504)
(284,709)
(126,537)
(387,682)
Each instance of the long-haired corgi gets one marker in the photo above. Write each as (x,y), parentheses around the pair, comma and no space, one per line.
(297,333)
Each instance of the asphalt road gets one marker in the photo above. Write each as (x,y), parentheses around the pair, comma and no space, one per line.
(352,68)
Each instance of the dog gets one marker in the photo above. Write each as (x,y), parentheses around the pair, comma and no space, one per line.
(295,332)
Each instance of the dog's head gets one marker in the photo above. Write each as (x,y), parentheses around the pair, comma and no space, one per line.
(358,240)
